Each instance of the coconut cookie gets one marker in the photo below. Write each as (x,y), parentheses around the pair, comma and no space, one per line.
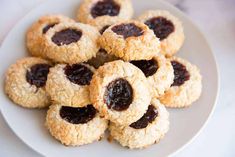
(159,73)
(103,13)
(149,129)
(72,42)
(75,126)
(167,28)
(25,82)
(130,40)
(120,91)
(101,57)
(35,34)
(186,87)
(68,84)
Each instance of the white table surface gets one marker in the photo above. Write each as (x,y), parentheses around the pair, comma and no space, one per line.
(216,18)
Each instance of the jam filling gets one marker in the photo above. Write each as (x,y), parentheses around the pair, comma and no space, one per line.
(78,74)
(66,37)
(147,118)
(78,115)
(148,67)
(47,27)
(37,75)
(118,95)
(161,27)
(105,7)
(104,28)
(180,73)
(128,30)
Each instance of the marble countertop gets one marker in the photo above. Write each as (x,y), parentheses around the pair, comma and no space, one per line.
(216,18)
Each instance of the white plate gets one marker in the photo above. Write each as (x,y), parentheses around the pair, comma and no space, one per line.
(185,124)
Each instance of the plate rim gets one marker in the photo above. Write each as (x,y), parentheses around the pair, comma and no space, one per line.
(168,4)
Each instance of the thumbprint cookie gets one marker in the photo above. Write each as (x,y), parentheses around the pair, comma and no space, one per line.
(75,126)
(159,73)
(130,40)
(68,84)
(167,28)
(71,42)
(187,85)
(103,13)
(120,92)
(25,82)
(149,129)
(36,33)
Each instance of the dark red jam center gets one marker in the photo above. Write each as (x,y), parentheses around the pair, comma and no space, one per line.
(148,67)
(147,118)
(180,73)
(47,27)
(78,115)
(105,7)
(161,27)
(78,74)
(37,74)
(118,95)
(66,37)
(128,30)
(104,28)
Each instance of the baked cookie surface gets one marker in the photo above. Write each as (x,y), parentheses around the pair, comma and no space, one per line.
(75,126)
(68,84)
(187,85)
(35,34)
(130,40)
(159,73)
(103,13)
(148,130)
(25,82)
(167,28)
(120,92)
(71,42)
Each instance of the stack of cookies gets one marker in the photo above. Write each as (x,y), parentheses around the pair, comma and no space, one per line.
(105,71)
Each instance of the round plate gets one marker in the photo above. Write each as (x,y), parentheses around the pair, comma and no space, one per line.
(185,124)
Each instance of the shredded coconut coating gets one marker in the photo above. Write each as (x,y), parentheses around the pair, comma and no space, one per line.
(142,138)
(19,90)
(35,37)
(141,94)
(84,13)
(186,94)
(74,134)
(175,40)
(81,51)
(145,46)
(63,91)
